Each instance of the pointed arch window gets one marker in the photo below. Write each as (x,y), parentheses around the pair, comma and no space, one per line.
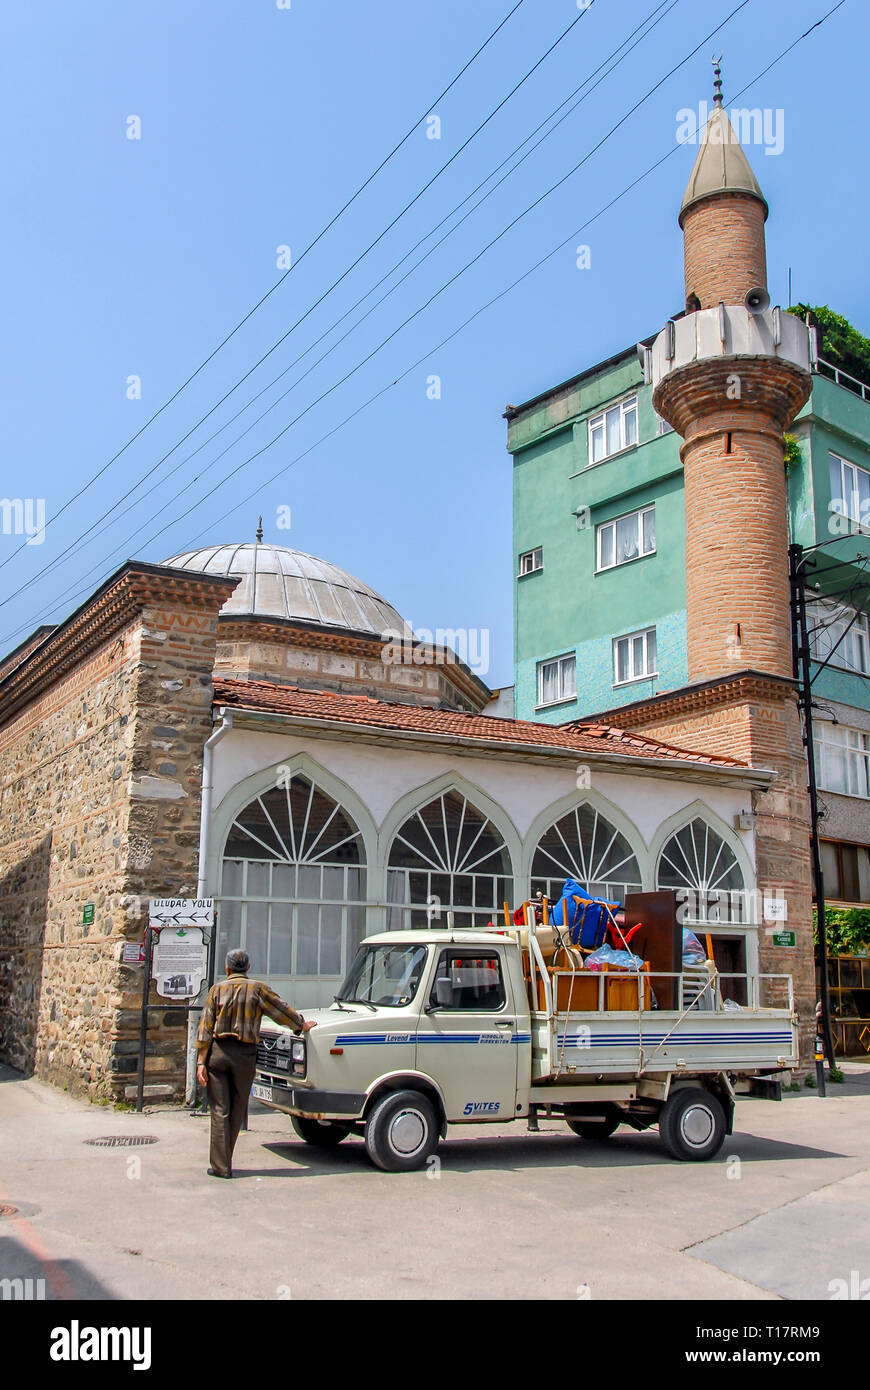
(447,856)
(293,883)
(585,846)
(704,869)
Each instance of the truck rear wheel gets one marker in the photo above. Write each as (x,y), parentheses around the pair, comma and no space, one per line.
(402,1132)
(692,1124)
(605,1121)
(323,1134)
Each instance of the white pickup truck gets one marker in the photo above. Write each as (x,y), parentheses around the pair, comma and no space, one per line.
(436,1027)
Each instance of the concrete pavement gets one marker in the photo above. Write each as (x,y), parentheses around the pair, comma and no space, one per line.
(781,1213)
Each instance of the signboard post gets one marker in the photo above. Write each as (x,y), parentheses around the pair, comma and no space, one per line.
(179,963)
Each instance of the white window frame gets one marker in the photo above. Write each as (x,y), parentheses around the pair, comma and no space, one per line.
(599,422)
(662,425)
(852,747)
(847,487)
(613,524)
(634,675)
(533,568)
(853,653)
(566,662)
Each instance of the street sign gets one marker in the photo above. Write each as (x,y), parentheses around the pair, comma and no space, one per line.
(775,909)
(87,914)
(181,912)
(783,938)
(180,962)
(133,952)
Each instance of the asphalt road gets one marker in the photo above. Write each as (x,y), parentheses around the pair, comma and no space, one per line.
(782,1213)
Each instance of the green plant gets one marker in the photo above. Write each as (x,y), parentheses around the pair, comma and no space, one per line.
(792,453)
(836,1076)
(810,1080)
(847,929)
(839,343)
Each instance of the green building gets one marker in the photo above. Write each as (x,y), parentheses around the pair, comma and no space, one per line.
(599,548)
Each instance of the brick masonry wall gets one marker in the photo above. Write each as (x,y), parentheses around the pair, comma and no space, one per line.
(766,733)
(100,796)
(724,251)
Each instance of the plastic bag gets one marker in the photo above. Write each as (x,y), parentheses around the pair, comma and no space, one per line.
(731,1006)
(616,960)
(692,948)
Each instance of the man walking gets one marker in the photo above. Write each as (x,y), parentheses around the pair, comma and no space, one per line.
(226,1051)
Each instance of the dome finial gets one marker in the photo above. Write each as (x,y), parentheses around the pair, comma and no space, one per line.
(259,528)
(717,80)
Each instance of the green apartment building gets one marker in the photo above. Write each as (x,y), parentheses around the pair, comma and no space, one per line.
(599,549)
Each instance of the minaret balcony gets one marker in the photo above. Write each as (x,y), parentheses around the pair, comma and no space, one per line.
(729,358)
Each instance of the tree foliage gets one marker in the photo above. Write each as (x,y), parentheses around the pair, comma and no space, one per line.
(839,343)
(846,928)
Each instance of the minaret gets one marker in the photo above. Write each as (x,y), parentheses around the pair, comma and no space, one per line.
(730,376)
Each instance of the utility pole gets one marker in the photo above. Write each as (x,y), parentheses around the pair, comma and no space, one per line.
(802,673)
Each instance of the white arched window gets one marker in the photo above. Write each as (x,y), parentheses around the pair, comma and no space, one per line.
(293,884)
(447,856)
(583,845)
(705,871)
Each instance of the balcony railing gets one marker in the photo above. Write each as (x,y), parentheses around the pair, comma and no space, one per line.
(849,383)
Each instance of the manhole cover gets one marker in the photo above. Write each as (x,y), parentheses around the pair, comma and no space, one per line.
(7,1210)
(122,1141)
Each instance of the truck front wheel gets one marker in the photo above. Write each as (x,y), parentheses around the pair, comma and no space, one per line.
(692,1124)
(323,1134)
(402,1132)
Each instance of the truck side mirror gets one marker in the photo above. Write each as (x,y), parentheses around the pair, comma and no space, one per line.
(444,992)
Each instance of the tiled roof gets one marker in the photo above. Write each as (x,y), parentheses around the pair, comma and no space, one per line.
(382,714)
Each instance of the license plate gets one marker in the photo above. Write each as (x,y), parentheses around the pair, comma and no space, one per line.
(261,1092)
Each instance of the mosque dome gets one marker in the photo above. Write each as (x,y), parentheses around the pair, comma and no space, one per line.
(277,582)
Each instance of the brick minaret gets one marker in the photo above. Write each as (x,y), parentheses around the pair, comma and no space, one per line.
(729,375)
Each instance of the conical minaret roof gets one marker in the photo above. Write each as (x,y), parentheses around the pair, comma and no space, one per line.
(721,166)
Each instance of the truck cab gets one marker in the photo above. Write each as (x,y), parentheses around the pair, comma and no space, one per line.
(433,1028)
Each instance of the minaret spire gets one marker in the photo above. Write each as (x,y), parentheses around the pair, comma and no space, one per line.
(717,80)
(259,529)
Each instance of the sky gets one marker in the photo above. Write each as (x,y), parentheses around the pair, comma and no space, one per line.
(163,161)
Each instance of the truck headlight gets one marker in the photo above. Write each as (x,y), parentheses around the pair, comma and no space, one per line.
(297,1052)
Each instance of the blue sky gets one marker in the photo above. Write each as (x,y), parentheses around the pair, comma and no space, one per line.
(128,258)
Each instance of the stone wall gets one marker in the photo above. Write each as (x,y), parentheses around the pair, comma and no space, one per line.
(101,735)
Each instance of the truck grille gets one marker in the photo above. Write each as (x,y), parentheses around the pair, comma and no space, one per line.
(270,1059)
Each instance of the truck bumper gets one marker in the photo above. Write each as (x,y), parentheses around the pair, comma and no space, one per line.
(303,1100)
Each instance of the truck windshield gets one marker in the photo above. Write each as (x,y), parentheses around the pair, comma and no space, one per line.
(387,975)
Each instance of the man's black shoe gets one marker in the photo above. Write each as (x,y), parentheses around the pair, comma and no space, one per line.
(212,1174)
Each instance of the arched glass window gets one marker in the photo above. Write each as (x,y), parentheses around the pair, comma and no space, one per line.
(447,855)
(293,884)
(705,871)
(583,845)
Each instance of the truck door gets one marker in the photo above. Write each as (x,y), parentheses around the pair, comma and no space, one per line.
(467,1035)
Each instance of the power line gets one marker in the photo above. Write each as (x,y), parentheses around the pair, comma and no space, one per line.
(244,463)
(77,544)
(363,186)
(482,309)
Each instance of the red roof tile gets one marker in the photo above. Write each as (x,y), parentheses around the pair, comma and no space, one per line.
(381,714)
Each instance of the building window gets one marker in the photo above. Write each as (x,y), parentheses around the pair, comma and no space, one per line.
(846,871)
(698,863)
(293,884)
(531,561)
(841,635)
(634,656)
(447,857)
(557,680)
(842,760)
(627,538)
(850,490)
(662,426)
(612,430)
(583,845)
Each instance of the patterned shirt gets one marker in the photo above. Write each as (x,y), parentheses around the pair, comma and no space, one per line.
(235,1007)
